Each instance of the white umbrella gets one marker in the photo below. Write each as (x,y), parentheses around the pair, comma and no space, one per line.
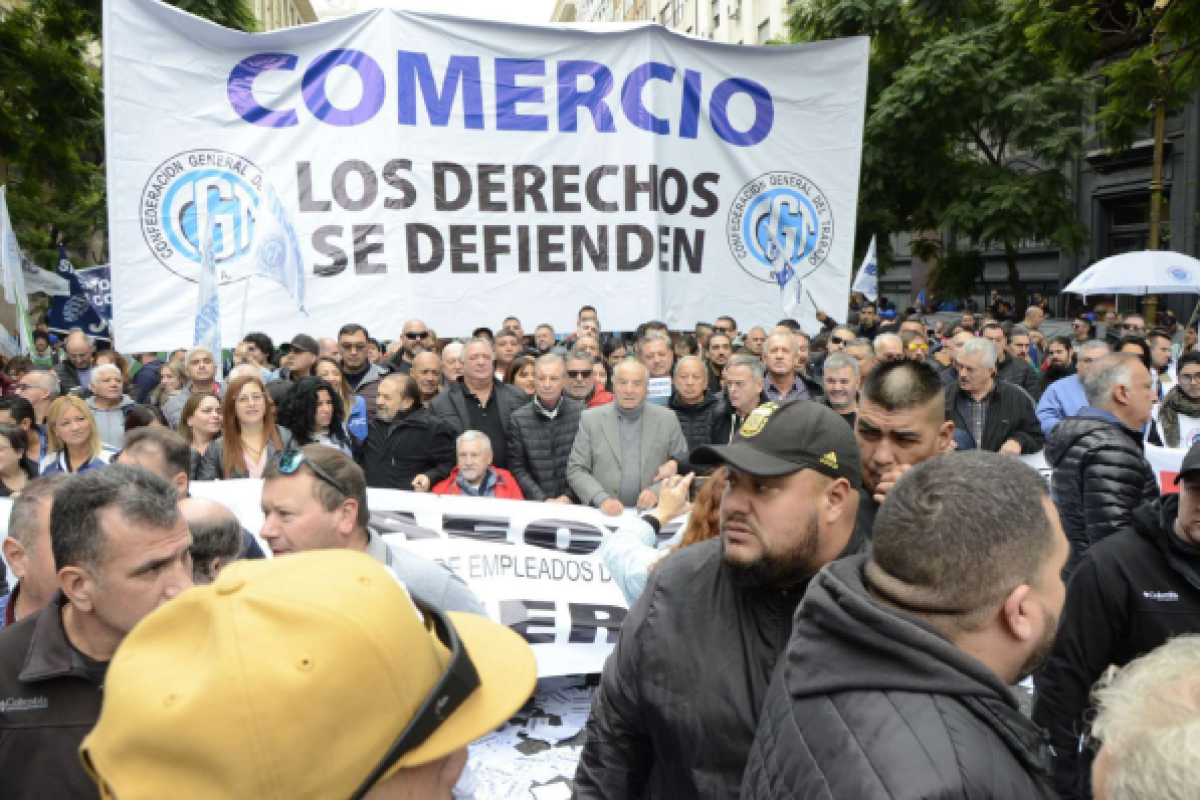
(1141,272)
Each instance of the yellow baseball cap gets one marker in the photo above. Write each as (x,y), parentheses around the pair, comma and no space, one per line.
(292,678)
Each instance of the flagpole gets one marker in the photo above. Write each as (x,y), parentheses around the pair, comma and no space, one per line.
(245,303)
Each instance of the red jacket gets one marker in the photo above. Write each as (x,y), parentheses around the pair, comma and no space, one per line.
(601,397)
(506,485)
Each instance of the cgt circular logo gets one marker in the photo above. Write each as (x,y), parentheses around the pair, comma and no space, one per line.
(780,223)
(185,193)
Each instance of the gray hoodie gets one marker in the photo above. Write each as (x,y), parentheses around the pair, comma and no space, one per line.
(111,422)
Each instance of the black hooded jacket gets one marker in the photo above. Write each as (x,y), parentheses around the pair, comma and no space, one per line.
(872,703)
(1100,475)
(1131,593)
(680,697)
(696,421)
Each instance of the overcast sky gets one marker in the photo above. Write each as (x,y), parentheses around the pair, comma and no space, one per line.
(529,11)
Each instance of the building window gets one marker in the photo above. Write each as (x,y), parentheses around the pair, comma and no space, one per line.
(764,31)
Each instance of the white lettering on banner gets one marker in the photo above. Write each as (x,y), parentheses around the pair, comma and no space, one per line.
(534,565)
(449,168)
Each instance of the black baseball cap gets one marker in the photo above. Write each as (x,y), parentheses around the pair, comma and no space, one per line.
(1191,463)
(779,439)
(303,342)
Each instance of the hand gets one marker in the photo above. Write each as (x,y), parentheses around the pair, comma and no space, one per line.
(647,499)
(673,498)
(612,507)
(667,470)
(888,479)
(562,501)
(421,483)
(1010,448)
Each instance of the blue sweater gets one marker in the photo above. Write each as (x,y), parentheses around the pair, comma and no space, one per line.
(1063,398)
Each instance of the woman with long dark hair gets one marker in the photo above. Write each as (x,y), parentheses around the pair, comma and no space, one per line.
(354,408)
(313,413)
(249,438)
(16,469)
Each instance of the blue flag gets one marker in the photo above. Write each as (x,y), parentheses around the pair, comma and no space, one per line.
(75,310)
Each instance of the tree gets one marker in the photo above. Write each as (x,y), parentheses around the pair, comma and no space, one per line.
(52,117)
(968,129)
(1148,56)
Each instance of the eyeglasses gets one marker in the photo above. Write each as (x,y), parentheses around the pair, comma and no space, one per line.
(838,340)
(290,461)
(579,373)
(922,348)
(1193,378)
(415,336)
(248,399)
(1125,326)
(457,683)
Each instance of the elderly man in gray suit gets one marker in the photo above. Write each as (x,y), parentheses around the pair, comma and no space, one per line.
(620,446)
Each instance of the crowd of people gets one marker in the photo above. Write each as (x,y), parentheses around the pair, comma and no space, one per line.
(866,570)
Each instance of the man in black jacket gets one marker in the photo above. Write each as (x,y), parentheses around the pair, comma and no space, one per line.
(695,407)
(541,434)
(407,447)
(1100,473)
(988,413)
(479,402)
(75,371)
(679,700)
(1018,372)
(894,685)
(121,548)
(1130,593)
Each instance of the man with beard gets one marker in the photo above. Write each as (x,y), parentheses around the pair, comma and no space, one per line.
(959,599)
(1066,397)
(1131,593)
(680,696)
(414,339)
(1059,362)
(718,352)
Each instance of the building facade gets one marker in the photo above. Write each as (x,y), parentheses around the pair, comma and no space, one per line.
(1112,199)
(275,14)
(729,21)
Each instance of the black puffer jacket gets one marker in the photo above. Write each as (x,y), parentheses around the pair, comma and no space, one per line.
(680,697)
(697,420)
(1100,475)
(872,703)
(539,447)
(1132,593)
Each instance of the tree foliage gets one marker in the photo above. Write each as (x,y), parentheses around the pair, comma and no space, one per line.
(52,117)
(1147,52)
(967,129)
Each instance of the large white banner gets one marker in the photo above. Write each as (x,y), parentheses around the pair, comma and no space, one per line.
(461,170)
(534,565)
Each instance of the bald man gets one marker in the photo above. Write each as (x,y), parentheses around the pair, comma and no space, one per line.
(216,537)
(76,369)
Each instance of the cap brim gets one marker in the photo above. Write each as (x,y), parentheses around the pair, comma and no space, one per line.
(744,458)
(507,675)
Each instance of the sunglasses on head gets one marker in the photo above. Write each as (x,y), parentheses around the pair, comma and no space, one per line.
(457,683)
(290,461)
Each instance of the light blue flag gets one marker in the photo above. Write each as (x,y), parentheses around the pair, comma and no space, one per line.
(867,282)
(276,254)
(208,309)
